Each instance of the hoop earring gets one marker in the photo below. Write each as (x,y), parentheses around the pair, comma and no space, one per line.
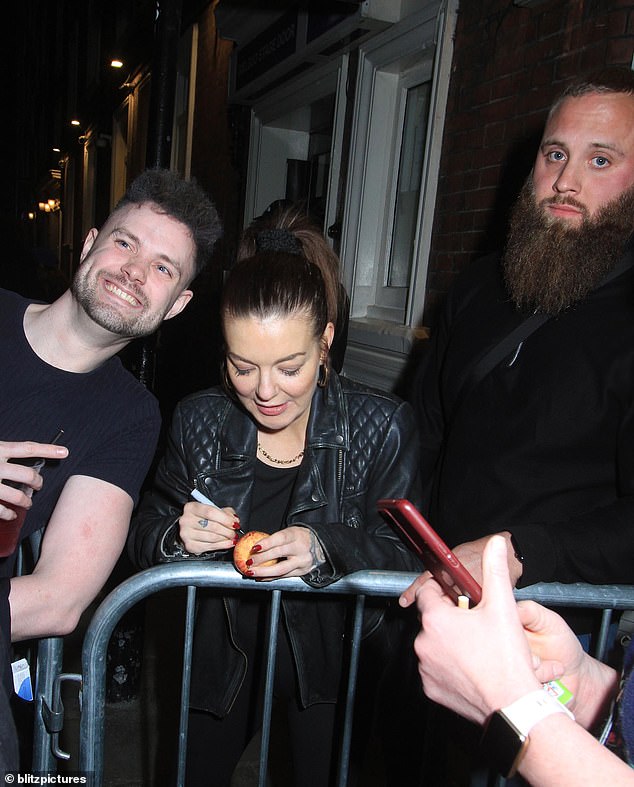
(324,374)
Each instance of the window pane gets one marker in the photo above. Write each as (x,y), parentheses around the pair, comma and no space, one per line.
(408,186)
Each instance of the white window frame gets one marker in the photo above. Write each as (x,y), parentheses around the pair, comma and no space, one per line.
(385,301)
(422,43)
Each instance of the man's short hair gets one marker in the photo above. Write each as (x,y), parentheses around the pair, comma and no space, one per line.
(183,200)
(611,79)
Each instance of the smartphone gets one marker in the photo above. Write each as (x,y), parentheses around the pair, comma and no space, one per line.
(437,558)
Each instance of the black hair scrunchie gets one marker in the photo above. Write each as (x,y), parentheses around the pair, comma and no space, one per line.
(278,240)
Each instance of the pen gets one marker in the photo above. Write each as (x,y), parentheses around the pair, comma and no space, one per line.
(204,499)
(39,464)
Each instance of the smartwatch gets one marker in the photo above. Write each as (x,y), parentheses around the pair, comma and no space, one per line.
(517,551)
(505,738)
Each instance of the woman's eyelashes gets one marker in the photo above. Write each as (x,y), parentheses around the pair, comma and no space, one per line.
(287,372)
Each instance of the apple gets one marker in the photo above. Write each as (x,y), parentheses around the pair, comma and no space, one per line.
(243,547)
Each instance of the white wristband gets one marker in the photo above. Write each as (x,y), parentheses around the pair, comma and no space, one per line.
(532,708)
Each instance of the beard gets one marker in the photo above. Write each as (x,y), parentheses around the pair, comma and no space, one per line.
(85,290)
(548,265)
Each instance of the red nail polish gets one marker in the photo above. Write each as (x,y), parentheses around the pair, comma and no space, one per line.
(248,573)
(235,540)
(236,526)
(257,548)
(249,562)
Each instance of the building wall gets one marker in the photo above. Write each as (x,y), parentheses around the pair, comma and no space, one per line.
(190,348)
(214,161)
(509,64)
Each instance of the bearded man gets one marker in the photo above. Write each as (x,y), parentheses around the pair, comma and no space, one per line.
(526,393)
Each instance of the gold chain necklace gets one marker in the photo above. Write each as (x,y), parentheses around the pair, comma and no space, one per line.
(280,461)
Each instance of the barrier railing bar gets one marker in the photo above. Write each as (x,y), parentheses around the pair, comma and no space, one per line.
(274,620)
(50,652)
(601,649)
(186,683)
(357,631)
(558,594)
(217,575)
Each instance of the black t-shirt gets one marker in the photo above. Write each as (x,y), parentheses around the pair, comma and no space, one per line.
(271,495)
(110,423)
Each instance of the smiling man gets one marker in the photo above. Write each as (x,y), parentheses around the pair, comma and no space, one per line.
(526,393)
(134,273)
(59,372)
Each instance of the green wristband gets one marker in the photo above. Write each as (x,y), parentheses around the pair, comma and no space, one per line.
(557,690)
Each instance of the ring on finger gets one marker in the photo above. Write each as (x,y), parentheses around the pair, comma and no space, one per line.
(203,522)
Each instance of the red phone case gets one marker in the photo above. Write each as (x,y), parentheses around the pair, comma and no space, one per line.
(437,558)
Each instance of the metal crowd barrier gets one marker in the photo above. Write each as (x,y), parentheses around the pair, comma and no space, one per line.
(195,574)
(47,723)
(200,574)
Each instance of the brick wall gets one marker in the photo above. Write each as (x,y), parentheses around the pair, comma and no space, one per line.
(509,64)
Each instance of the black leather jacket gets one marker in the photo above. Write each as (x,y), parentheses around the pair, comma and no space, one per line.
(361,445)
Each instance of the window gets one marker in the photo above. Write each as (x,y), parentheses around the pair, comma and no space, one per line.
(402,82)
(410,170)
(386,295)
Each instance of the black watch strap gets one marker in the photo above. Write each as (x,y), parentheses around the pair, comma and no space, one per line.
(517,549)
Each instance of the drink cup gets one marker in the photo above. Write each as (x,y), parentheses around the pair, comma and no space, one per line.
(10,530)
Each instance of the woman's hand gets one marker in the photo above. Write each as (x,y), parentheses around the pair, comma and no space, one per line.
(206,528)
(297,549)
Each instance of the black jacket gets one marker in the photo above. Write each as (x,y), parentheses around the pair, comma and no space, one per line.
(543,445)
(361,445)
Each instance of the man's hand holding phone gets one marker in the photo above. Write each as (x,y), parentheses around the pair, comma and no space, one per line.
(435,555)
(475,661)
